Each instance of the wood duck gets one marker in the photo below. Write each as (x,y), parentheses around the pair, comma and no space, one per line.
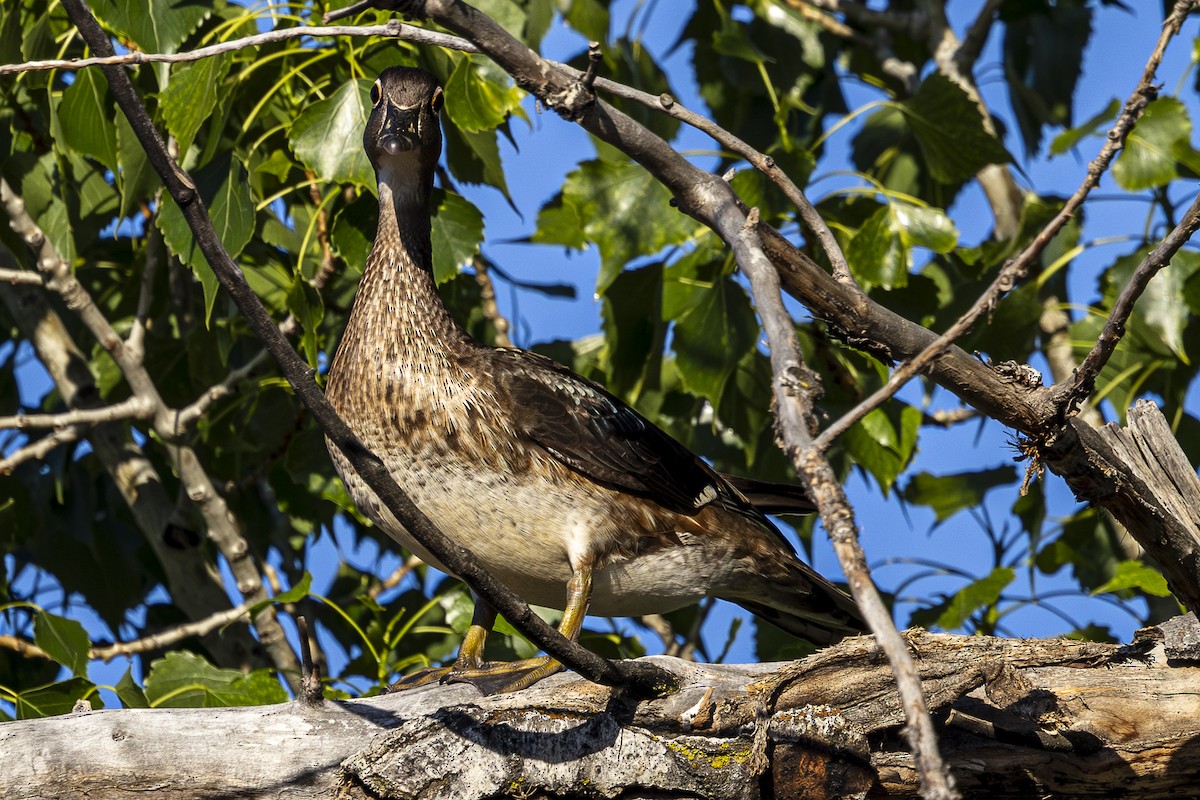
(566,494)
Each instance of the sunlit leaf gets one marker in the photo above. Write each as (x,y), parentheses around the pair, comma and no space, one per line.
(57,698)
(1135,575)
(158,26)
(979,594)
(950,130)
(478,98)
(185,680)
(63,639)
(327,136)
(949,494)
(86,116)
(456,234)
(1150,154)
(190,97)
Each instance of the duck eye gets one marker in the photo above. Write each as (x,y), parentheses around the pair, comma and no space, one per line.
(375,93)
(437,100)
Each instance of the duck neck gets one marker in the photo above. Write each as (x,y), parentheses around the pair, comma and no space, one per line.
(398,294)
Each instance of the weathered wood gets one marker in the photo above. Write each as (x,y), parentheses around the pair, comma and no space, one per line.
(1019,718)
(1141,475)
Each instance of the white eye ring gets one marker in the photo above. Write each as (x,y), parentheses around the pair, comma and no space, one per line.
(376,93)
(438,99)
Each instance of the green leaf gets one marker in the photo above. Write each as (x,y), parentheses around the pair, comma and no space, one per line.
(191,96)
(733,40)
(64,640)
(86,117)
(305,304)
(457,232)
(713,332)
(1134,575)
(976,595)
(877,254)
(297,592)
(923,226)
(1149,157)
(1069,139)
(57,698)
(475,157)
(1162,313)
(950,130)
(884,442)
(223,186)
(158,26)
(880,253)
(589,17)
(129,693)
(327,136)
(138,178)
(185,680)
(622,208)
(949,494)
(478,95)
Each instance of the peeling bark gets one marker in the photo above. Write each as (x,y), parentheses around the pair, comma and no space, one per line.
(1018,718)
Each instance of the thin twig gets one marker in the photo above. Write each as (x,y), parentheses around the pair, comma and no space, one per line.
(38,450)
(392,30)
(146,644)
(794,389)
(311,693)
(21,277)
(760,161)
(133,408)
(1075,391)
(1016,269)
(171,636)
(136,341)
(977,35)
(187,416)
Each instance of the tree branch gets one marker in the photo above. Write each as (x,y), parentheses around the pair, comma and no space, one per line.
(133,408)
(794,387)
(392,30)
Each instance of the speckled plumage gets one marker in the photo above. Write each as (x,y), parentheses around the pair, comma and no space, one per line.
(539,472)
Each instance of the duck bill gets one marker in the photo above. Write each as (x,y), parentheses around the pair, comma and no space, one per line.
(398,133)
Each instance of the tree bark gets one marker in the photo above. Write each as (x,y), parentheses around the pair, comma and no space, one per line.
(1018,719)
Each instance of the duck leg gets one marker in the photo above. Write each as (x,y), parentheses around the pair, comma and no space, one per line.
(470,652)
(502,677)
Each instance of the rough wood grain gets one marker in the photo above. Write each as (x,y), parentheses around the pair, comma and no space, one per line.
(1019,718)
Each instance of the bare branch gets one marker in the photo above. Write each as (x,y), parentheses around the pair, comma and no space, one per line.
(760,161)
(195,588)
(487,300)
(977,35)
(39,449)
(146,644)
(1075,391)
(21,277)
(794,387)
(188,415)
(170,636)
(133,408)
(392,30)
